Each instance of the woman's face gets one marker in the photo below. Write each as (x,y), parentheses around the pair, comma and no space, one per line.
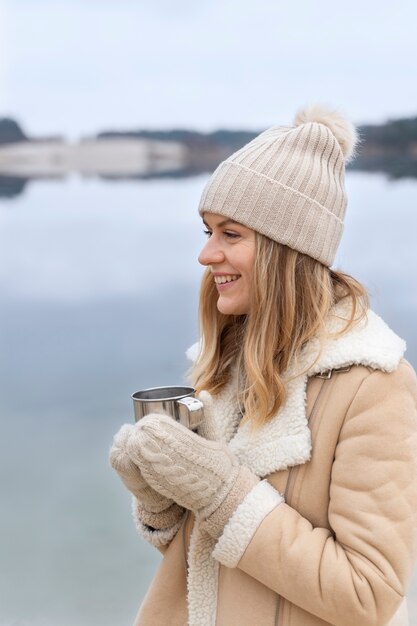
(230,254)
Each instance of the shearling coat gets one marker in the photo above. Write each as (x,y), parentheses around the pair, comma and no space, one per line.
(329,535)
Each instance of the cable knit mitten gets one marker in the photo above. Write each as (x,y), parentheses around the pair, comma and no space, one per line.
(209,428)
(200,475)
(151,508)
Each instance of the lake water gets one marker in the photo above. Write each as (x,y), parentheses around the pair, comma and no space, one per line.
(98,298)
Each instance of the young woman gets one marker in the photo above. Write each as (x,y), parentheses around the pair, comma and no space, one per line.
(296,502)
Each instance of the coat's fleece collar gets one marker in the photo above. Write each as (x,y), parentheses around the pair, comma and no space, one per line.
(285,441)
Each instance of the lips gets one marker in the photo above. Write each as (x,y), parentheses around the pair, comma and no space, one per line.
(226,285)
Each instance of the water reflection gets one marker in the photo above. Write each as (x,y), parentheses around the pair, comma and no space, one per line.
(12,186)
(395,168)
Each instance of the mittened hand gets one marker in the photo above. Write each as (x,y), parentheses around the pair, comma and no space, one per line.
(151,500)
(209,428)
(194,472)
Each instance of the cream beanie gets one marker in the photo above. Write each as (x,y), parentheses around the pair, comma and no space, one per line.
(288,183)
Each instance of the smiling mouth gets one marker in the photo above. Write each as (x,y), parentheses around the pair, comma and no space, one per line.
(221,280)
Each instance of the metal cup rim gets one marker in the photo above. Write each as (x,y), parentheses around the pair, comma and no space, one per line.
(169,399)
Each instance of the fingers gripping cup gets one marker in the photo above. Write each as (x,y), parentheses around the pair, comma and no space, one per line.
(178,402)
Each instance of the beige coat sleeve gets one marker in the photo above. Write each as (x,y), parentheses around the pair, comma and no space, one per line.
(358,573)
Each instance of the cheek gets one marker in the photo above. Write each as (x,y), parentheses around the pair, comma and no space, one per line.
(249,268)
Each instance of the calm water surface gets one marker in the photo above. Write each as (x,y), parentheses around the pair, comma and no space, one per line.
(98,297)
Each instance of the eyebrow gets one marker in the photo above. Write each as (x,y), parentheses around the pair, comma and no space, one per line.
(222,223)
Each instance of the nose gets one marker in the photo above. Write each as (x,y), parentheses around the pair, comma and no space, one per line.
(211,253)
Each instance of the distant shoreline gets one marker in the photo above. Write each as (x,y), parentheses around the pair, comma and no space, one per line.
(390,148)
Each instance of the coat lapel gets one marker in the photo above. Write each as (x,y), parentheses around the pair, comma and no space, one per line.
(285,441)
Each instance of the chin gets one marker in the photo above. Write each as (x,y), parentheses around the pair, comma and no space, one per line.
(230,309)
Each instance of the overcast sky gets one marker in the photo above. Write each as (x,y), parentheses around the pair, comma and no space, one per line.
(78,66)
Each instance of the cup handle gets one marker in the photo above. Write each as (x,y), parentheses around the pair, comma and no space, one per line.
(191,412)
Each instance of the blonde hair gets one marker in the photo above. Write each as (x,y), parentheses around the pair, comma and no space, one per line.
(291,297)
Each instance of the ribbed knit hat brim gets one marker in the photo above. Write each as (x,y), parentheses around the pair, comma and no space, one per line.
(297,221)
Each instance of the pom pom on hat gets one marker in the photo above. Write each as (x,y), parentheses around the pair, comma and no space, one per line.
(343,130)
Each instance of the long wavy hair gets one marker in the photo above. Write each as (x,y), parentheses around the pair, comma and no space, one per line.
(291,297)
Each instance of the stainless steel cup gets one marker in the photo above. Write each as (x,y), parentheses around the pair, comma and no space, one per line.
(178,402)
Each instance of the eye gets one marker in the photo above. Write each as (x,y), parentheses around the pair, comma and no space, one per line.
(226,233)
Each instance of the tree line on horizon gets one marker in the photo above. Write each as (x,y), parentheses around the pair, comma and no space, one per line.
(390,147)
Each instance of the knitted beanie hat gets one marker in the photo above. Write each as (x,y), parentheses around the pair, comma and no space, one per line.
(288,183)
